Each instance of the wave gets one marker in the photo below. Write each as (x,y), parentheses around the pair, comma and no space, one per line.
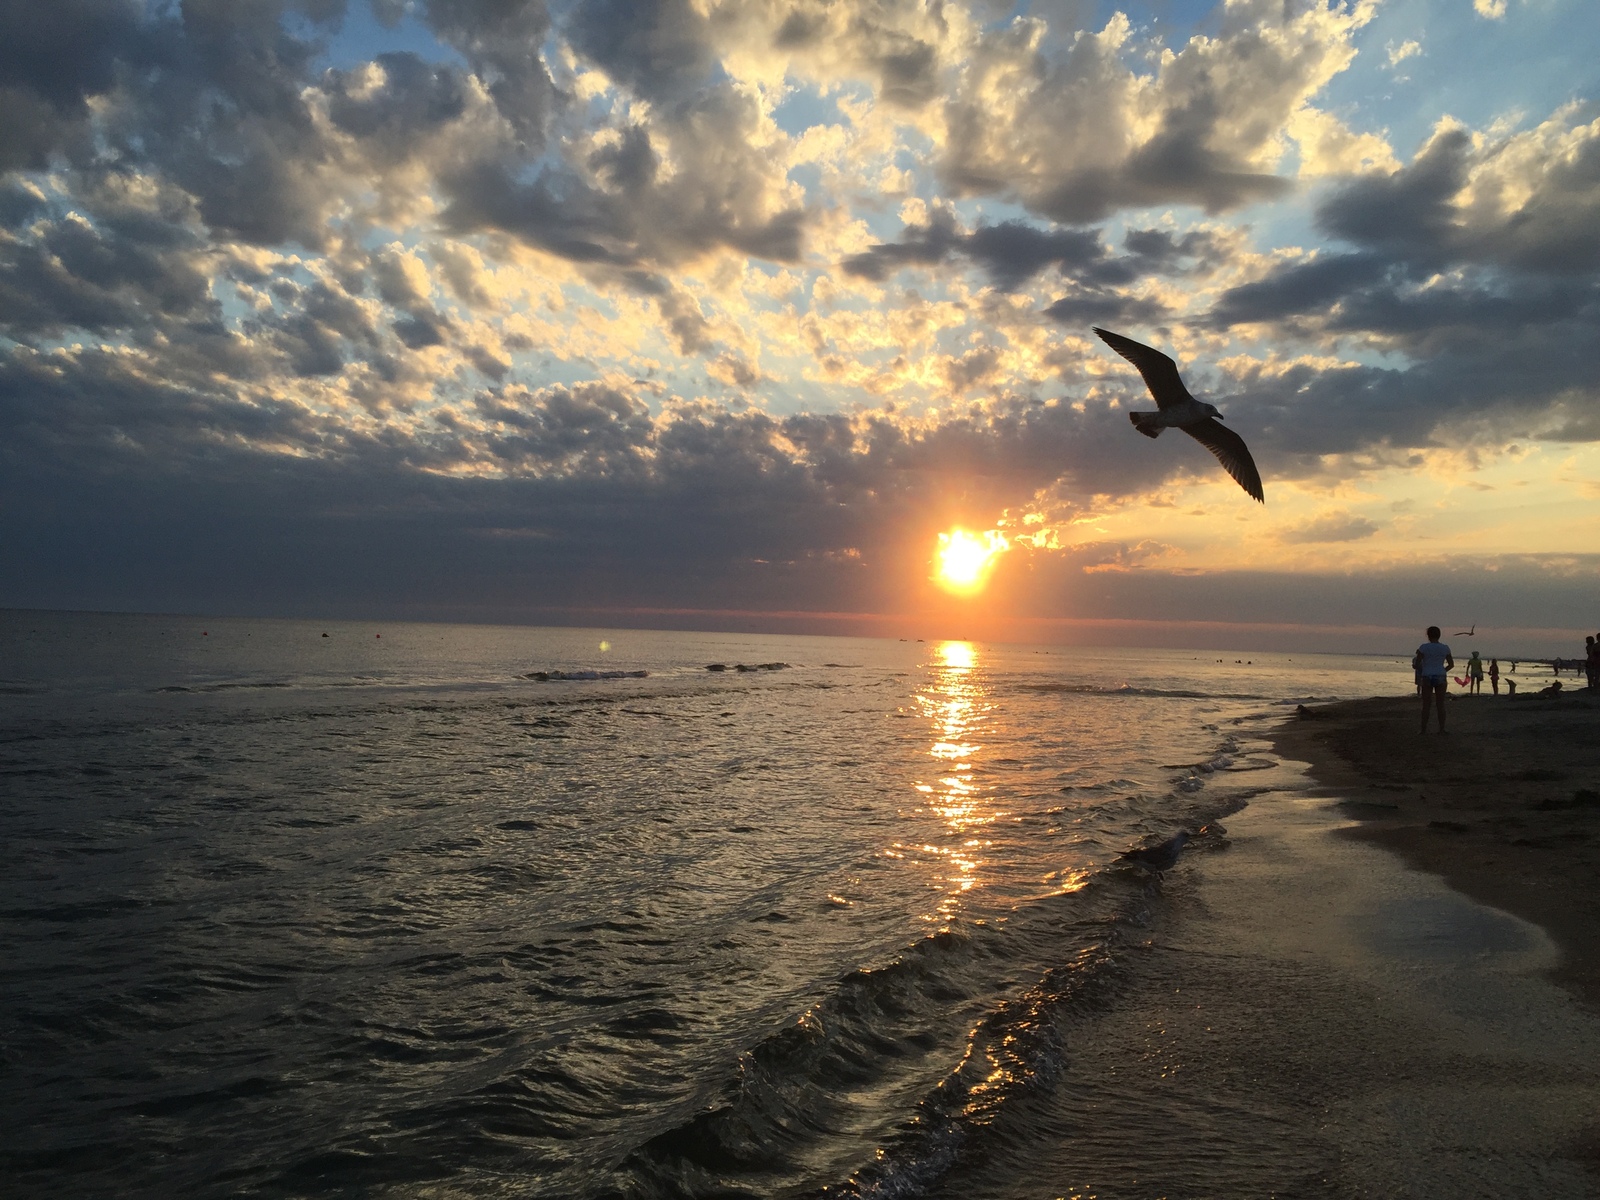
(880,1084)
(582,675)
(1128,689)
(235,685)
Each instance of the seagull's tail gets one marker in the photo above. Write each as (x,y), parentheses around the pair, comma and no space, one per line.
(1145,423)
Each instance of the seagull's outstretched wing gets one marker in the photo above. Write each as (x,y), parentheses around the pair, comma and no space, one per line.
(1231,452)
(1160,372)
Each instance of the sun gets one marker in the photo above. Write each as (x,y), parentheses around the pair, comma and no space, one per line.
(963,561)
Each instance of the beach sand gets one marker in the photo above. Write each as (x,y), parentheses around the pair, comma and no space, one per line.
(1311,1016)
(1505,806)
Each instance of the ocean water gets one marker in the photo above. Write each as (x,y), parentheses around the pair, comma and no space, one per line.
(306,909)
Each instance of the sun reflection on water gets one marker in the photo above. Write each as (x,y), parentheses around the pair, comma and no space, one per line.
(957,702)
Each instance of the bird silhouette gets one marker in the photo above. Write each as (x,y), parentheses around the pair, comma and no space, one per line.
(1180,410)
(1473,632)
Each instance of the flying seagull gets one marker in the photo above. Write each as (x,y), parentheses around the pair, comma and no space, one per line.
(1160,857)
(1473,632)
(1182,411)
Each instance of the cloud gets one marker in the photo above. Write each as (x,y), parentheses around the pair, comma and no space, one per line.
(601,291)
(1330,527)
(1011,252)
(1076,135)
(54,59)
(1406,49)
(1518,200)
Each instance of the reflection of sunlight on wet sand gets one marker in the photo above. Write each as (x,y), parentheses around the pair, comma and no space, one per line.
(956,701)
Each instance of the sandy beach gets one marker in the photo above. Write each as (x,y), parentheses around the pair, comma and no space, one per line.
(1381,985)
(1505,806)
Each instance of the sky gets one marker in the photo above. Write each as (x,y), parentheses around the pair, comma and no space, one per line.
(715,315)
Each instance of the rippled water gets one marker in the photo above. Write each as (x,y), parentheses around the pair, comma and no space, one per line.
(379,913)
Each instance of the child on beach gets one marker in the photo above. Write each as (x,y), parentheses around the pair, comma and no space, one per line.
(1434,662)
(1494,675)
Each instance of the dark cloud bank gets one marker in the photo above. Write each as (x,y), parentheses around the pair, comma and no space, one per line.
(158,448)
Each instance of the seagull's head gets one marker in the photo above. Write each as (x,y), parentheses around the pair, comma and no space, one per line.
(1212,409)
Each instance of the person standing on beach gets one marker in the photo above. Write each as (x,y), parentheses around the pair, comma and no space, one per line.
(1591,661)
(1434,660)
(1494,675)
(1475,674)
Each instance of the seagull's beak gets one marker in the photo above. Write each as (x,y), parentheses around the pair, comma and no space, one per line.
(1220,417)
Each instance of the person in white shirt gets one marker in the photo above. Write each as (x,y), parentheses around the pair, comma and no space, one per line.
(1433,662)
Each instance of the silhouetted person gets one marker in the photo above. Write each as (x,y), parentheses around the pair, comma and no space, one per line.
(1475,674)
(1434,660)
(1591,661)
(1494,675)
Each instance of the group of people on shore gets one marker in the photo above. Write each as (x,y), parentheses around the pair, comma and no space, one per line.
(1433,663)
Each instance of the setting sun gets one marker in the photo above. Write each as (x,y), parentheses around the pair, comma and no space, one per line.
(964,560)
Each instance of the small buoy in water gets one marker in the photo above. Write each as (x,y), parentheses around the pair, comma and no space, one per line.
(378,635)
(203,633)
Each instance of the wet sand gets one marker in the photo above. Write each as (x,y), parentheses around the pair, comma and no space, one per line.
(1310,1016)
(1505,806)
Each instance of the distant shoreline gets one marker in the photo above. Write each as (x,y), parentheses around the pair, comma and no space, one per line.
(1505,807)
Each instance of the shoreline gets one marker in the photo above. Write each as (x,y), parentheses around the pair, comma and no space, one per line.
(1306,1014)
(1505,807)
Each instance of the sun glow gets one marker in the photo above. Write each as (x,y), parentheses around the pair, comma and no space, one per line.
(964,560)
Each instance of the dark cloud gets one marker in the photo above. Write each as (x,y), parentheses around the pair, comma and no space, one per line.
(1299,288)
(1174,166)
(19,202)
(501,40)
(70,274)
(657,48)
(1104,306)
(1334,527)
(732,483)
(142,494)
(1160,250)
(415,99)
(1487,299)
(1523,202)
(1011,252)
(421,328)
(558,213)
(905,66)
(53,58)
(1507,265)
(1409,213)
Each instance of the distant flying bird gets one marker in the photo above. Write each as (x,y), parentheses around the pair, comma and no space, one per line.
(1158,858)
(1179,410)
(1468,632)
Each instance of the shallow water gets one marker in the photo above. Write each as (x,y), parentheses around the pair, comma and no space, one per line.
(378,913)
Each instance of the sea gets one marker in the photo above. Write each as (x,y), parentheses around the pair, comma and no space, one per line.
(295,908)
